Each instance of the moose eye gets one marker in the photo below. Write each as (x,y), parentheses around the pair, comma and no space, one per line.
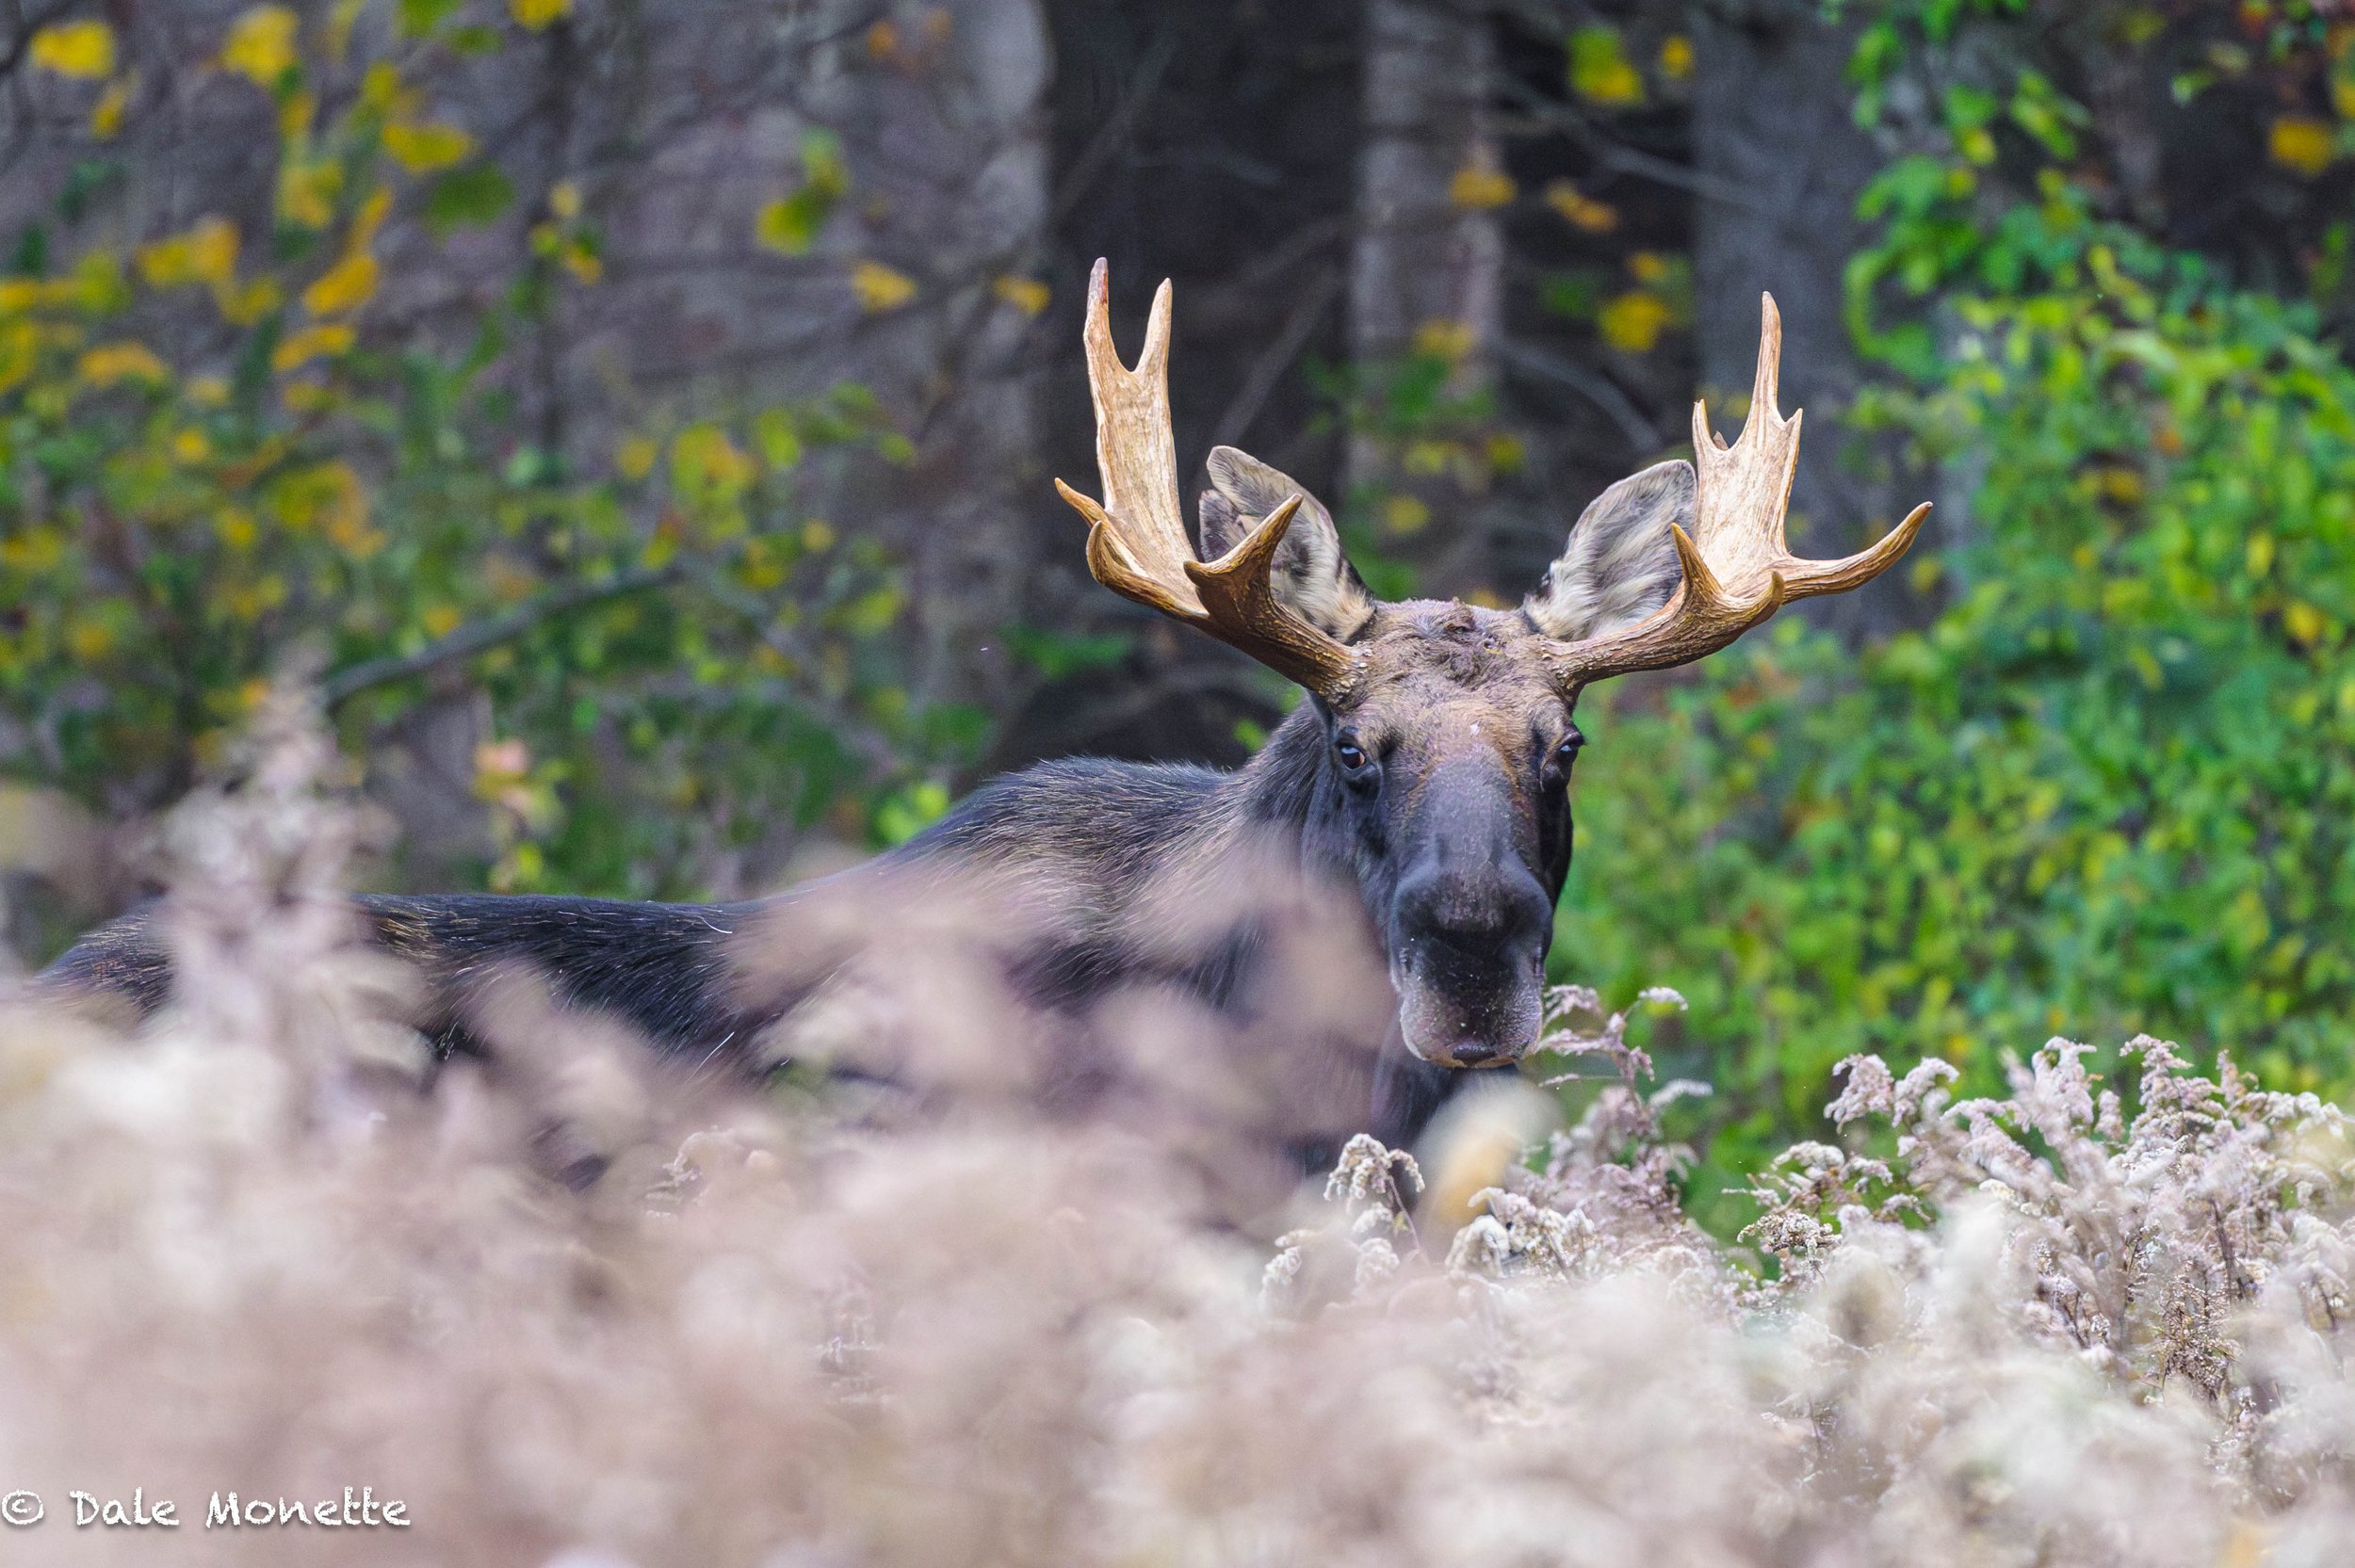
(1350,754)
(1567,753)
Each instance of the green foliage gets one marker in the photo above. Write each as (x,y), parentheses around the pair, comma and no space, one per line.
(207,466)
(1437,440)
(2112,788)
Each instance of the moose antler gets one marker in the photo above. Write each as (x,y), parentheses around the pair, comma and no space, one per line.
(1137,544)
(1738,569)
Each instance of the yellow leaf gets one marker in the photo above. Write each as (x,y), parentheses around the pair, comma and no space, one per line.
(327,496)
(2303,143)
(1647,267)
(110,363)
(2122,485)
(1027,295)
(1405,514)
(95,287)
(1426,456)
(105,116)
(2305,623)
(301,347)
(370,216)
(213,252)
(880,287)
(20,355)
(207,253)
(83,50)
(237,527)
(294,114)
(343,287)
(191,445)
(382,91)
(244,306)
(1478,188)
(762,567)
(882,40)
(307,192)
(1631,322)
(635,457)
(1580,210)
(2260,553)
(704,460)
(1600,72)
(261,45)
(565,200)
(208,391)
(536,14)
(1444,339)
(817,536)
(339,24)
(37,549)
(1617,85)
(423,149)
(1676,57)
(90,639)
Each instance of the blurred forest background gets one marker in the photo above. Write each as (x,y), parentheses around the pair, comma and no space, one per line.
(641,413)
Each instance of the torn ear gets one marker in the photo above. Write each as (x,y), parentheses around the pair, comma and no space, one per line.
(1309,573)
(1621,564)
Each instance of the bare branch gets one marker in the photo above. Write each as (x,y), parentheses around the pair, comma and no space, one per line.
(485,635)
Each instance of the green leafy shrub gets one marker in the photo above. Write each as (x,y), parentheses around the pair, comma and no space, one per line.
(211,461)
(2110,789)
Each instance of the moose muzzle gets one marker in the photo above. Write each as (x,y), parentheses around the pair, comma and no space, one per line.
(1469,925)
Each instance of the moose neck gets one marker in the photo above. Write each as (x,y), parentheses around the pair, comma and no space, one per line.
(1284,786)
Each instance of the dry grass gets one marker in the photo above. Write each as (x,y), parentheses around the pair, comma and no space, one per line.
(244,1252)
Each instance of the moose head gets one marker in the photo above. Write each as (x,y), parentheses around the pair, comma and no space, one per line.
(1437,741)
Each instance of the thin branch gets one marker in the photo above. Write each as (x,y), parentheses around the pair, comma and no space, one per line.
(1643,436)
(1622,159)
(1115,128)
(1275,359)
(482,635)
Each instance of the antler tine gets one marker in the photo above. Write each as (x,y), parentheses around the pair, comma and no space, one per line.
(1137,544)
(1135,452)
(1738,567)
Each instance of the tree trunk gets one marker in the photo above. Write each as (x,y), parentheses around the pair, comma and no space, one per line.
(1426,265)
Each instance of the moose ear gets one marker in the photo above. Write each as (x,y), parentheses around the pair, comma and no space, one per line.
(1309,573)
(1621,564)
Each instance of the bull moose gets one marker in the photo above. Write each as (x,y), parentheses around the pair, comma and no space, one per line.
(1425,779)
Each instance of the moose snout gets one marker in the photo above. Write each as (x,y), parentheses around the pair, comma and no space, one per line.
(1480,913)
(1470,956)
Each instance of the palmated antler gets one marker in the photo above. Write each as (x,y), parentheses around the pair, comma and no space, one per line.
(1738,569)
(1137,544)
